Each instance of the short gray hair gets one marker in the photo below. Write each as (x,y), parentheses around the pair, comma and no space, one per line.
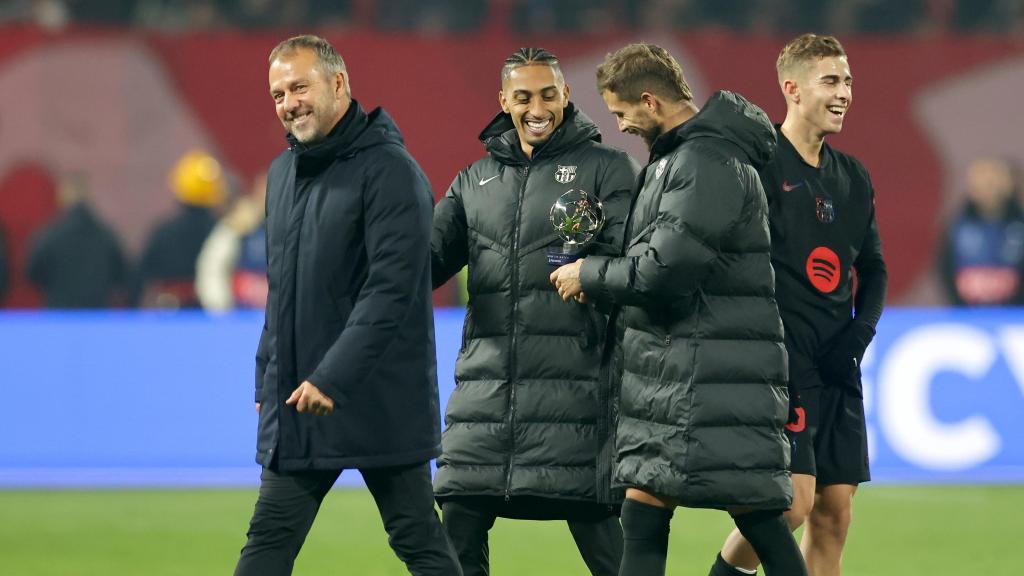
(328,59)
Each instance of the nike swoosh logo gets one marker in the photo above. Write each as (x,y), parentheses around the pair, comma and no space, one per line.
(787,187)
(482,181)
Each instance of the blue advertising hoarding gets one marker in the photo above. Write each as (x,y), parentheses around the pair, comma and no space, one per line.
(166,399)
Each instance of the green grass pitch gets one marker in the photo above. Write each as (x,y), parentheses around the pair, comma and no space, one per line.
(898,531)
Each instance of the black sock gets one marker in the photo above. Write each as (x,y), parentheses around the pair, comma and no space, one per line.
(769,534)
(645,539)
(723,568)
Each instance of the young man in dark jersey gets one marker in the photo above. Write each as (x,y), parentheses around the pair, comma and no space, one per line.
(823,229)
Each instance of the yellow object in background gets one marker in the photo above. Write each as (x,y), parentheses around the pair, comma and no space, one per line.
(198,180)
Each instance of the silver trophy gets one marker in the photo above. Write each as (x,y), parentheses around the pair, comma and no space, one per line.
(577,216)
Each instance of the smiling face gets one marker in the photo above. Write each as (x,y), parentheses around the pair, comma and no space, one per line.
(819,94)
(308,102)
(535,97)
(636,118)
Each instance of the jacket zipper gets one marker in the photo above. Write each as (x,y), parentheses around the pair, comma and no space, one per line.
(603,434)
(515,332)
(608,391)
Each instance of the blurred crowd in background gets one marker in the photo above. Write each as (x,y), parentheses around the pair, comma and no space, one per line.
(532,16)
(209,252)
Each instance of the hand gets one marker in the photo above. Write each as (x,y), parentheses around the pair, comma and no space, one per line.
(839,364)
(567,280)
(309,398)
(842,372)
(797,416)
(257,407)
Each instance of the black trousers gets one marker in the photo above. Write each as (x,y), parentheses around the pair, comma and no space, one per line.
(288,502)
(599,539)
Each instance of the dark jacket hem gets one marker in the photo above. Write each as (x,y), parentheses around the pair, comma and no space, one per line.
(326,463)
(536,506)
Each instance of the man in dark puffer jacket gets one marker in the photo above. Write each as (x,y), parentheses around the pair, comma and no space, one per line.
(529,427)
(703,365)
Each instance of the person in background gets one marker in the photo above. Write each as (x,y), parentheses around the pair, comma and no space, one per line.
(167,270)
(76,261)
(982,257)
(231,271)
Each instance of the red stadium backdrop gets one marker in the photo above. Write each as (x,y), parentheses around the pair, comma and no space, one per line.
(121,107)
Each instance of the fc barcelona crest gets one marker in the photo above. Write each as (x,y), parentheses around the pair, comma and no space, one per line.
(824,209)
(565,174)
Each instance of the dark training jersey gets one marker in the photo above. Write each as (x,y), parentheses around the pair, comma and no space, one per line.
(823,228)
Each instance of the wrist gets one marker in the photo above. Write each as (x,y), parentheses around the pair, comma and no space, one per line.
(862,334)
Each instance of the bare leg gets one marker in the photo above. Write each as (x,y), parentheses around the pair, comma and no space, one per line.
(827,527)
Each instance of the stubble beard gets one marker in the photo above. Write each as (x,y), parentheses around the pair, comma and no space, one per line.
(650,136)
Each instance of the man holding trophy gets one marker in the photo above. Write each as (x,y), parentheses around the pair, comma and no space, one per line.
(703,366)
(530,425)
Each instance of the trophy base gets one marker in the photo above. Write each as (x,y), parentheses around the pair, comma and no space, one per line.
(561,258)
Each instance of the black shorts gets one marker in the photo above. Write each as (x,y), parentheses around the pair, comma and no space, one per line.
(829,437)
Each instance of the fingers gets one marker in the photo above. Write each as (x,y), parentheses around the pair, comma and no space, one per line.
(557,279)
(569,290)
(566,281)
(307,398)
(322,406)
(300,398)
(325,406)
(257,407)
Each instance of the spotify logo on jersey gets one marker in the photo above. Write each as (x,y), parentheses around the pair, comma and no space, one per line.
(823,269)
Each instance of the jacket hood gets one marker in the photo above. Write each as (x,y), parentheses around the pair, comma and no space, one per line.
(355,131)
(731,117)
(502,141)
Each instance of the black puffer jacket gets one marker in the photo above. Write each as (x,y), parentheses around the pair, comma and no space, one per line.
(529,415)
(703,363)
